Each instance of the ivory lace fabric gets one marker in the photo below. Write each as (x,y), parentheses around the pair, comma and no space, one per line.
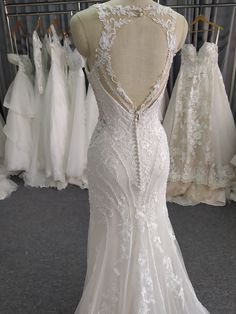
(134,263)
(201,131)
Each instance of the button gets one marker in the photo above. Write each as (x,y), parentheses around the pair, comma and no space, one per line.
(140,12)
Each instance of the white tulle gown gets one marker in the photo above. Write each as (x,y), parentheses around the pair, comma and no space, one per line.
(20,102)
(7,186)
(36,176)
(77,150)
(56,122)
(201,132)
(91,119)
(134,264)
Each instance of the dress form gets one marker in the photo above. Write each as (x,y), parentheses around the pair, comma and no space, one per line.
(145,46)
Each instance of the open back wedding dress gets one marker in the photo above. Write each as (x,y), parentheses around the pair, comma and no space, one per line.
(134,264)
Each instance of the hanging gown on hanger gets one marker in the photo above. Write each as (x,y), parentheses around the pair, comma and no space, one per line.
(56,114)
(134,263)
(200,130)
(77,152)
(91,119)
(20,102)
(7,186)
(36,176)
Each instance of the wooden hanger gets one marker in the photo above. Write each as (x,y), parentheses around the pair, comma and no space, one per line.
(57,26)
(39,25)
(202,18)
(19,27)
(67,31)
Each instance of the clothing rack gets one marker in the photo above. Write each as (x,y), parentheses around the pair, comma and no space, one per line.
(58,2)
(8,6)
(175,6)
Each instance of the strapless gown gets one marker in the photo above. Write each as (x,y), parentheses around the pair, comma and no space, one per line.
(201,131)
(134,263)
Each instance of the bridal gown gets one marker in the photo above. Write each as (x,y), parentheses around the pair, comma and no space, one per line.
(36,176)
(201,131)
(134,263)
(19,100)
(77,92)
(56,122)
(7,186)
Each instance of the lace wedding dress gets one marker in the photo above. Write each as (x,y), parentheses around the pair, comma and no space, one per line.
(134,263)
(201,132)
(36,176)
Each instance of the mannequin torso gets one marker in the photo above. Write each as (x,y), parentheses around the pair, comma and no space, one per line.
(139,51)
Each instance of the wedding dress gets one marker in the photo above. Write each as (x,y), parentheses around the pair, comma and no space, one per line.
(134,263)
(36,176)
(18,128)
(201,132)
(7,186)
(77,150)
(56,121)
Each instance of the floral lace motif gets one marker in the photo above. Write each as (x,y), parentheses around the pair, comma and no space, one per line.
(173,281)
(145,284)
(37,51)
(108,16)
(129,224)
(192,155)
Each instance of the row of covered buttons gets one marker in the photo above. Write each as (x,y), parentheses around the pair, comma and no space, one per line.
(138,170)
(140,12)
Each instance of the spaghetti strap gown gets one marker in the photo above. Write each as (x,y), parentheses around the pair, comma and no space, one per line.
(134,263)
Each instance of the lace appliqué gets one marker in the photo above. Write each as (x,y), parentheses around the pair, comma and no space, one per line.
(192,156)
(173,282)
(145,284)
(103,55)
(37,52)
(132,214)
